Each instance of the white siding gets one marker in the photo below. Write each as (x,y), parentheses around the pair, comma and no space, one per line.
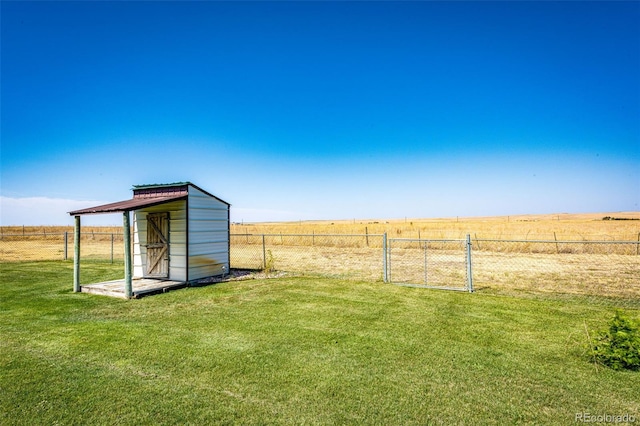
(208,235)
(177,239)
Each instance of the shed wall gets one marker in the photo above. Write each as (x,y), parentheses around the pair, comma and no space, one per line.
(208,235)
(177,239)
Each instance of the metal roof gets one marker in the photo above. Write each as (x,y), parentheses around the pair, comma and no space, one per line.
(128,205)
(146,196)
(161,185)
(158,189)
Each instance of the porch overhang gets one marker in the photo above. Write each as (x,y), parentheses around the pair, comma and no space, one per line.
(139,201)
(129,205)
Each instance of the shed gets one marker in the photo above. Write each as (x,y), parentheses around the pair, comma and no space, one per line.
(180,234)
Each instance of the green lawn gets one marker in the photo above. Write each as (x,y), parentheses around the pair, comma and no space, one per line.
(294,350)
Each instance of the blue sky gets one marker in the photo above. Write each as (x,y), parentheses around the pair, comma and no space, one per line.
(322,110)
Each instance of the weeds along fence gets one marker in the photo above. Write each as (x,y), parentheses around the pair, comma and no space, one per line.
(597,271)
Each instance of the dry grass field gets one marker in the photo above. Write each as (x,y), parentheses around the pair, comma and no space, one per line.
(6,231)
(29,243)
(585,274)
(508,252)
(563,226)
(517,263)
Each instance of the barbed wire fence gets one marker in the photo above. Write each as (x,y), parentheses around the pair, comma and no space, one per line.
(598,272)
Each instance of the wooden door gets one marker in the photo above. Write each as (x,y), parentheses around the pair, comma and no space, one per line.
(158,245)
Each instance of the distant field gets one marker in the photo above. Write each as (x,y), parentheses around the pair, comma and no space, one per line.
(49,230)
(52,242)
(625,226)
(590,226)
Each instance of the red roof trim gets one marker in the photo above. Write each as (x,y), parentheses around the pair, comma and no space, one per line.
(161,192)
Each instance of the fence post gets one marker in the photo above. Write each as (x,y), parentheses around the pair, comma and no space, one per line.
(425,263)
(469,269)
(66,245)
(385,271)
(112,247)
(264,254)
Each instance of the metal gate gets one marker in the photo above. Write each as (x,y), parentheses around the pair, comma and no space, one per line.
(444,264)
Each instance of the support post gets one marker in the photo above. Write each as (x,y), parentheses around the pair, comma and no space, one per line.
(76,255)
(469,270)
(264,254)
(128,288)
(385,270)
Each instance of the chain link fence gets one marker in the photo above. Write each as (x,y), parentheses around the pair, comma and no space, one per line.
(440,264)
(599,272)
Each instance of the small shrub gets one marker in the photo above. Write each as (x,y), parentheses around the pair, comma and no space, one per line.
(269,262)
(619,346)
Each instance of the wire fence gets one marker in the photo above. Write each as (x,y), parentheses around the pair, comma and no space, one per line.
(430,263)
(598,272)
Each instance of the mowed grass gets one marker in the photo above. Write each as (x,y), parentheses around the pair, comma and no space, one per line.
(292,351)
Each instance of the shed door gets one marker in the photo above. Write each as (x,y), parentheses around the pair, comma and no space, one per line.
(158,245)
